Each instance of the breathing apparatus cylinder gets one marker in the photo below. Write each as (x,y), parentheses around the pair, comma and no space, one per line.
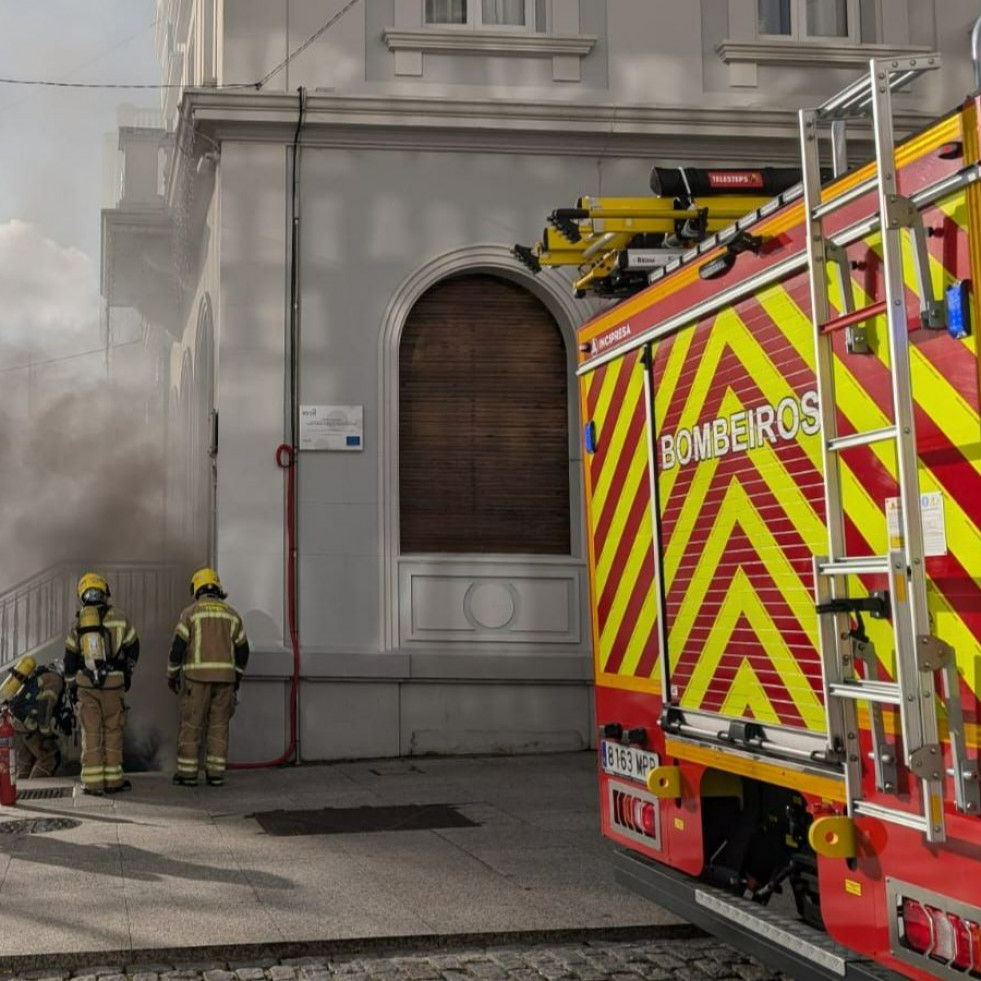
(19,673)
(92,644)
(8,761)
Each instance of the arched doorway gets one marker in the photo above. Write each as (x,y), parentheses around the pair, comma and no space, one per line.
(483,423)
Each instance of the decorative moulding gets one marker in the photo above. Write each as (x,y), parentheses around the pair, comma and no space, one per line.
(813,53)
(565,50)
(490,42)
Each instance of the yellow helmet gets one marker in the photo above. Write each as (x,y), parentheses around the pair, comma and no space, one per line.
(93,588)
(206,579)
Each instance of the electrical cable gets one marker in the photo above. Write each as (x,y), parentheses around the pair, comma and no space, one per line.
(286,456)
(306,44)
(66,357)
(165,86)
(87,64)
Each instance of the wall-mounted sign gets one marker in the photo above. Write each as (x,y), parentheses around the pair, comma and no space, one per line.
(331,427)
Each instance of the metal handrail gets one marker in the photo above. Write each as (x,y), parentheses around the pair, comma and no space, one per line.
(37,611)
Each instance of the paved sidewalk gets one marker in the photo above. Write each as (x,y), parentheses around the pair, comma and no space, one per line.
(692,960)
(167,868)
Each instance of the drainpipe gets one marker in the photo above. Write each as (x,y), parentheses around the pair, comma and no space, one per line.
(286,457)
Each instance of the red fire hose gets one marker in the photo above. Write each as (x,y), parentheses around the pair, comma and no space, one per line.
(286,458)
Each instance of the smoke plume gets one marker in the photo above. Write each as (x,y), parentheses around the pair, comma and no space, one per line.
(84,440)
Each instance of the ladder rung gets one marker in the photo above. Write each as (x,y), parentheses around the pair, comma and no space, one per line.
(866,565)
(883,692)
(867,809)
(847,97)
(861,439)
(857,96)
(854,317)
(853,194)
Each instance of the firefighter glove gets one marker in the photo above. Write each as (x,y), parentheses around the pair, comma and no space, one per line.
(174,684)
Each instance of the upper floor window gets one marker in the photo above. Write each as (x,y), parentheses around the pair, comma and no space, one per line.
(810,20)
(518,14)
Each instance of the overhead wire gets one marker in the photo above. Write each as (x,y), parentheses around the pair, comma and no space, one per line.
(29,365)
(87,64)
(166,86)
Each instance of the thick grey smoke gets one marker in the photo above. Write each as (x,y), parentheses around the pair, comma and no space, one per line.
(84,440)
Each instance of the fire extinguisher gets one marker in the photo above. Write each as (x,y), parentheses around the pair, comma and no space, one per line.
(8,761)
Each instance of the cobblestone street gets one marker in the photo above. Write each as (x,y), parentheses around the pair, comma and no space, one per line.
(674,960)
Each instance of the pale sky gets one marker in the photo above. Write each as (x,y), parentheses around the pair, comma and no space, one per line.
(52,158)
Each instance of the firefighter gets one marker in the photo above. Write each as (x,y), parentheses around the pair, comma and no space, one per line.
(207,660)
(101,652)
(39,710)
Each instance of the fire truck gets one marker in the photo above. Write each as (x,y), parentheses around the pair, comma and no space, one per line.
(782,457)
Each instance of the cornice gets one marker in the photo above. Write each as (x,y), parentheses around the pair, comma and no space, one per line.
(774,52)
(734,134)
(490,42)
(224,111)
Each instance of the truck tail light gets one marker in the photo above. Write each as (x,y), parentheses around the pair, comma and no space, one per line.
(634,813)
(918,927)
(649,820)
(941,936)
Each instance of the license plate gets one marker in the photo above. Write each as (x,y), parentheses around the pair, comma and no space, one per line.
(626,761)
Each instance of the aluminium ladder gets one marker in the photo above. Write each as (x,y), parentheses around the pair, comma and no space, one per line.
(918,654)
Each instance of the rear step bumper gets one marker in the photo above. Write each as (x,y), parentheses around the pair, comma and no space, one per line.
(787,945)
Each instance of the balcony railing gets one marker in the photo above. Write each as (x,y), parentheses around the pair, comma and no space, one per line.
(38,612)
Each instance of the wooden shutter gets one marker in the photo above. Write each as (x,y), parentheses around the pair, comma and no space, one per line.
(483,422)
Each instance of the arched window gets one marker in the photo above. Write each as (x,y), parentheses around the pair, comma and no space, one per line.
(483,423)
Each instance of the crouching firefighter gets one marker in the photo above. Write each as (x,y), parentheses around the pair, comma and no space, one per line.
(39,708)
(101,652)
(207,660)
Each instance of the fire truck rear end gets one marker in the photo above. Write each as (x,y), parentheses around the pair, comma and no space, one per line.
(783,483)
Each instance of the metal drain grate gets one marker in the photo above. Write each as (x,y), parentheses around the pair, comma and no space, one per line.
(362,820)
(44,793)
(36,826)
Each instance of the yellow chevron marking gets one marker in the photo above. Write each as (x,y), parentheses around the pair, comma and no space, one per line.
(742,600)
(737,509)
(602,410)
(643,544)
(794,504)
(642,631)
(668,382)
(730,330)
(616,433)
(956,208)
(746,692)
(637,479)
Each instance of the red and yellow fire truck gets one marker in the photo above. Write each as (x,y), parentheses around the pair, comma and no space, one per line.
(783,484)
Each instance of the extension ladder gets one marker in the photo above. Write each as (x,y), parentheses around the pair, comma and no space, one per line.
(918,654)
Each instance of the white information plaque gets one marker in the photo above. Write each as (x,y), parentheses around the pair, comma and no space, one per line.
(332,427)
(932,517)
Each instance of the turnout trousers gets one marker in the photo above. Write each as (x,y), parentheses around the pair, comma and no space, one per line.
(206,709)
(101,716)
(38,755)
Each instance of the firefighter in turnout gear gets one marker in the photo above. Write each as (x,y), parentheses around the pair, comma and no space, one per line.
(101,652)
(39,710)
(207,660)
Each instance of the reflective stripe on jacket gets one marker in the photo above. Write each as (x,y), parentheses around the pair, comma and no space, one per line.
(209,642)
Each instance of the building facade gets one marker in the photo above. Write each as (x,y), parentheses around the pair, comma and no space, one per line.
(326,254)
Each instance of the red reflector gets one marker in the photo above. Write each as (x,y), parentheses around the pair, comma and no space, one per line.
(649,818)
(918,931)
